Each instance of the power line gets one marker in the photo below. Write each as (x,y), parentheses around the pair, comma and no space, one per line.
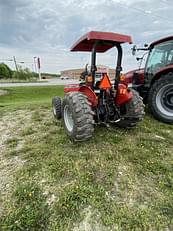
(146,12)
(6,60)
(167,2)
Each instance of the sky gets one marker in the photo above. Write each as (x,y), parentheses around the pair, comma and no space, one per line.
(48,28)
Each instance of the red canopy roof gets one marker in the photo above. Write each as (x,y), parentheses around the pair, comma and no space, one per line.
(161,41)
(86,42)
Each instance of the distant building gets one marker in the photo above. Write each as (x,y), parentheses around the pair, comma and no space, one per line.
(75,73)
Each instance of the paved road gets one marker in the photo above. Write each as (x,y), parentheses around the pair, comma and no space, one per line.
(50,82)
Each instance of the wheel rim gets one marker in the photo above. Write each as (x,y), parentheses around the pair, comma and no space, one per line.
(68,118)
(164,100)
(54,110)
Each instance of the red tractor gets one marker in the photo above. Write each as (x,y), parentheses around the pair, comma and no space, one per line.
(155,82)
(98,101)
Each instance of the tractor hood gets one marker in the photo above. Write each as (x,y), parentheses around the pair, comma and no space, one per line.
(136,75)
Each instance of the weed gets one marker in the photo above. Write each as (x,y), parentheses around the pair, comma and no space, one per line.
(28,209)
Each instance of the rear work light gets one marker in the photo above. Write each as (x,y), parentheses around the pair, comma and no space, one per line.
(89,79)
(122,77)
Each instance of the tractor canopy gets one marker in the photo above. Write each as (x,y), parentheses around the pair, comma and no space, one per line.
(106,40)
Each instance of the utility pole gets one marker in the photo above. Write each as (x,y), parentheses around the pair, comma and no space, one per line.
(35,64)
(15,63)
(38,63)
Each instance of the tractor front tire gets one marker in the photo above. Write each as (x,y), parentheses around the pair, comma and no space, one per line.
(77,116)
(56,107)
(132,111)
(160,99)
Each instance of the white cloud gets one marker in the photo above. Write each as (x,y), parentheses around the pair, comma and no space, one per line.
(48,28)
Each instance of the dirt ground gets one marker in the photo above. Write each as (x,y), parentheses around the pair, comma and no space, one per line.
(3,92)
(11,125)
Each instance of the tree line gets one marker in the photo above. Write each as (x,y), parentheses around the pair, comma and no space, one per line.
(21,74)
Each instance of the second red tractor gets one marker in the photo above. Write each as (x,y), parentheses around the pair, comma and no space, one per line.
(154,82)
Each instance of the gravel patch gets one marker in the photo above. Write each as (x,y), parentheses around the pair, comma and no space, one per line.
(90,222)
(10,128)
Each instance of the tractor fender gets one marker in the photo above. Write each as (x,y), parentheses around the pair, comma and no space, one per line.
(90,95)
(71,88)
(83,89)
(162,71)
(123,94)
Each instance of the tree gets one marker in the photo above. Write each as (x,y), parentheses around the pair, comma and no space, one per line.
(23,74)
(5,71)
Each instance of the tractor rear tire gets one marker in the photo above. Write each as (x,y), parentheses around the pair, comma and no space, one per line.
(133,111)
(160,99)
(56,107)
(77,116)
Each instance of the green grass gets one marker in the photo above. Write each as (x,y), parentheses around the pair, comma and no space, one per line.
(29,95)
(118,180)
(28,209)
